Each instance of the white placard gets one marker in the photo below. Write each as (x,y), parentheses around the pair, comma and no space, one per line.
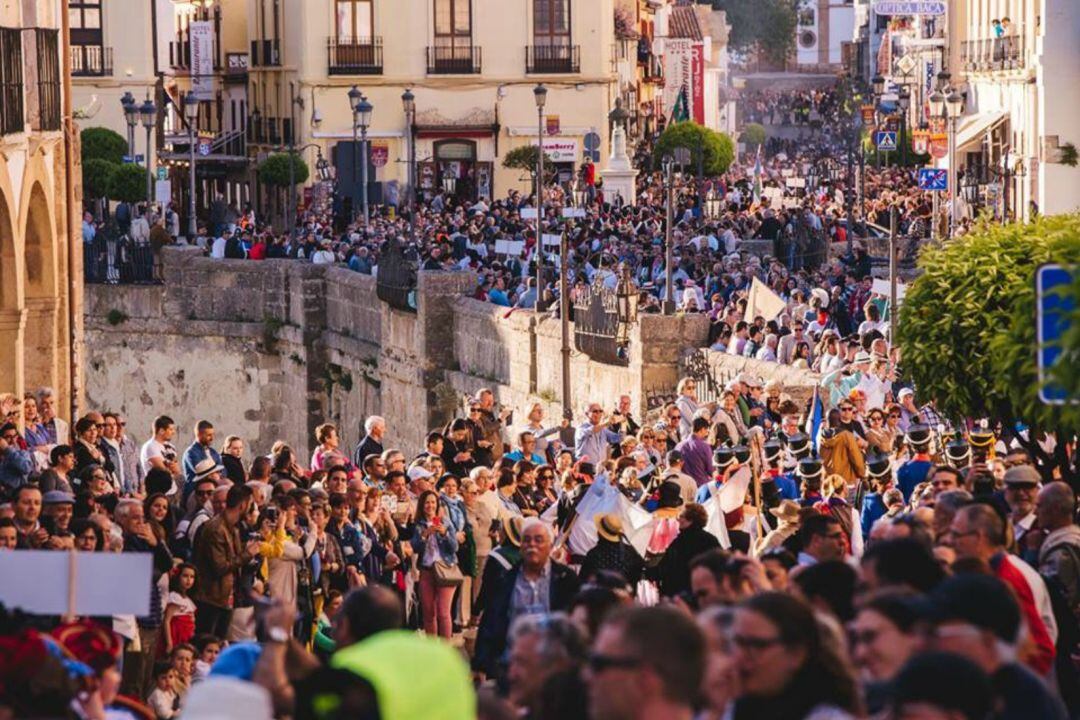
(881,287)
(573,212)
(528,213)
(509,247)
(787,172)
(105,583)
(552,240)
(795,182)
(162,192)
(201,34)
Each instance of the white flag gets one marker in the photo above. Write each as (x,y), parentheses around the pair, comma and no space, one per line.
(762,302)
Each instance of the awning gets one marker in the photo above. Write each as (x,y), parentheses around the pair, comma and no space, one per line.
(973,128)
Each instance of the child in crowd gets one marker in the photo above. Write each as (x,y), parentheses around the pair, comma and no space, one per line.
(179,624)
(182,660)
(208,648)
(163,699)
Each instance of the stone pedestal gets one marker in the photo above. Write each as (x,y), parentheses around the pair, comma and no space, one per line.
(619,176)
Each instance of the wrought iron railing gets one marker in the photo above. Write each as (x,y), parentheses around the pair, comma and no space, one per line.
(543,59)
(453,60)
(395,280)
(114,259)
(993,54)
(91,61)
(265,53)
(12,109)
(600,329)
(354,55)
(48,78)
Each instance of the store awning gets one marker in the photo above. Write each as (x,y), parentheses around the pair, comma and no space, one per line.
(973,128)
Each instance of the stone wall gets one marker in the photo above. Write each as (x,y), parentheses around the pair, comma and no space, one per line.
(797,383)
(268,350)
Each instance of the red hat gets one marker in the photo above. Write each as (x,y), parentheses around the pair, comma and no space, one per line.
(90,644)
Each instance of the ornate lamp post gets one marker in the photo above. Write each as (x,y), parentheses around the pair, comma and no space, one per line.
(668,165)
(946,104)
(363,112)
(355,96)
(148,116)
(408,101)
(540,96)
(191,115)
(131,117)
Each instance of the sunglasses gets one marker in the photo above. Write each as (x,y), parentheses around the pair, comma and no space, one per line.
(847,409)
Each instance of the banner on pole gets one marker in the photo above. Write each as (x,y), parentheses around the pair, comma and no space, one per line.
(201,34)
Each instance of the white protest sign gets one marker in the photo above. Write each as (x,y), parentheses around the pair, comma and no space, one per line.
(795,182)
(528,213)
(881,287)
(104,583)
(509,247)
(573,212)
(552,240)
(787,172)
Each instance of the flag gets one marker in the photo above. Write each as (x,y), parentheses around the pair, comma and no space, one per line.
(814,419)
(602,498)
(763,302)
(716,525)
(681,111)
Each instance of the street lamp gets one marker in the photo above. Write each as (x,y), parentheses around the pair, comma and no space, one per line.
(322,167)
(713,205)
(408,102)
(626,303)
(668,165)
(355,96)
(148,115)
(879,85)
(540,96)
(363,113)
(904,102)
(131,112)
(191,115)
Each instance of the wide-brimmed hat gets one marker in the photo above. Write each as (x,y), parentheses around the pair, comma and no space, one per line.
(787,510)
(89,643)
(207,467)
(511,527)
(609,526)
(670,494)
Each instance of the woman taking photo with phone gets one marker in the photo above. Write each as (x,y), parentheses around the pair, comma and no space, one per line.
(435,546)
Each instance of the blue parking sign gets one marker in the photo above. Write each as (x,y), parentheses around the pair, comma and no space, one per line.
(885,140)
(1052,320)
(933,179)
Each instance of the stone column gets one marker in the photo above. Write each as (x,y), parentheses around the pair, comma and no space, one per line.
(12,326)
(619,176)
(40,342)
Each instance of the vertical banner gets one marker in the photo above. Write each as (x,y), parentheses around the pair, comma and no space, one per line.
(676,72)
(697,82)
(201,34)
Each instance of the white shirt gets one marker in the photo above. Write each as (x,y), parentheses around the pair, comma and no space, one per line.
(322,257)
(153,449)
(217,250)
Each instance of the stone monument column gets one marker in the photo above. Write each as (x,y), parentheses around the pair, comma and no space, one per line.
(619,176)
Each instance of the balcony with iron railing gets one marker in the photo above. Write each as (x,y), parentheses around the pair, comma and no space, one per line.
(354,55)
(91,61)
(998,54)
(453,60)
(552,59)
(266,53)
(179,54)
(652,70)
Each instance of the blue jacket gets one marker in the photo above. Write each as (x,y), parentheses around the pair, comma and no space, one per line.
(873,509)
(354,546)
(195,454)
(455,511)
(911,474)
(15,467)
(447,543)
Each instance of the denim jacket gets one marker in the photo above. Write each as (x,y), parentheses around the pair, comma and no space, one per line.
(455,511)
(447,543)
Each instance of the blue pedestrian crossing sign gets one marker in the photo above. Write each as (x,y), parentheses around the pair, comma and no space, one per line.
(933,179)
(1052,308)
(885,140)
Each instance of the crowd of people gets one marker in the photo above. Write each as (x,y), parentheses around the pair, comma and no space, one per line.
(756,554)
(729,559)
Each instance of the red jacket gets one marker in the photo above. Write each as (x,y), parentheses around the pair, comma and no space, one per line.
(1042,659)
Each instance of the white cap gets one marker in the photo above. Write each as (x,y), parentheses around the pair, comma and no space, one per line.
(417,472)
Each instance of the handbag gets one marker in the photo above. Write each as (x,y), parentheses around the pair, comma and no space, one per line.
(447,575)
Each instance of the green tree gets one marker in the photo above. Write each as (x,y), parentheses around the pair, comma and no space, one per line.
(767,26)
(274,170)
(96,175)
(753,135)
(127,183)
(718,148)
(525,158)
(102,144)
(966,329)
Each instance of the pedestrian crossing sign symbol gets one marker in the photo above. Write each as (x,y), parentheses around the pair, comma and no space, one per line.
(886,140)
(933,179)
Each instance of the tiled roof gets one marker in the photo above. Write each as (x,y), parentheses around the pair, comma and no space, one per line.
(684,23)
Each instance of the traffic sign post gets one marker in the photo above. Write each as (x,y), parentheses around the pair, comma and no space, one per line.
(1052,309)
(885,140)
(933,179)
